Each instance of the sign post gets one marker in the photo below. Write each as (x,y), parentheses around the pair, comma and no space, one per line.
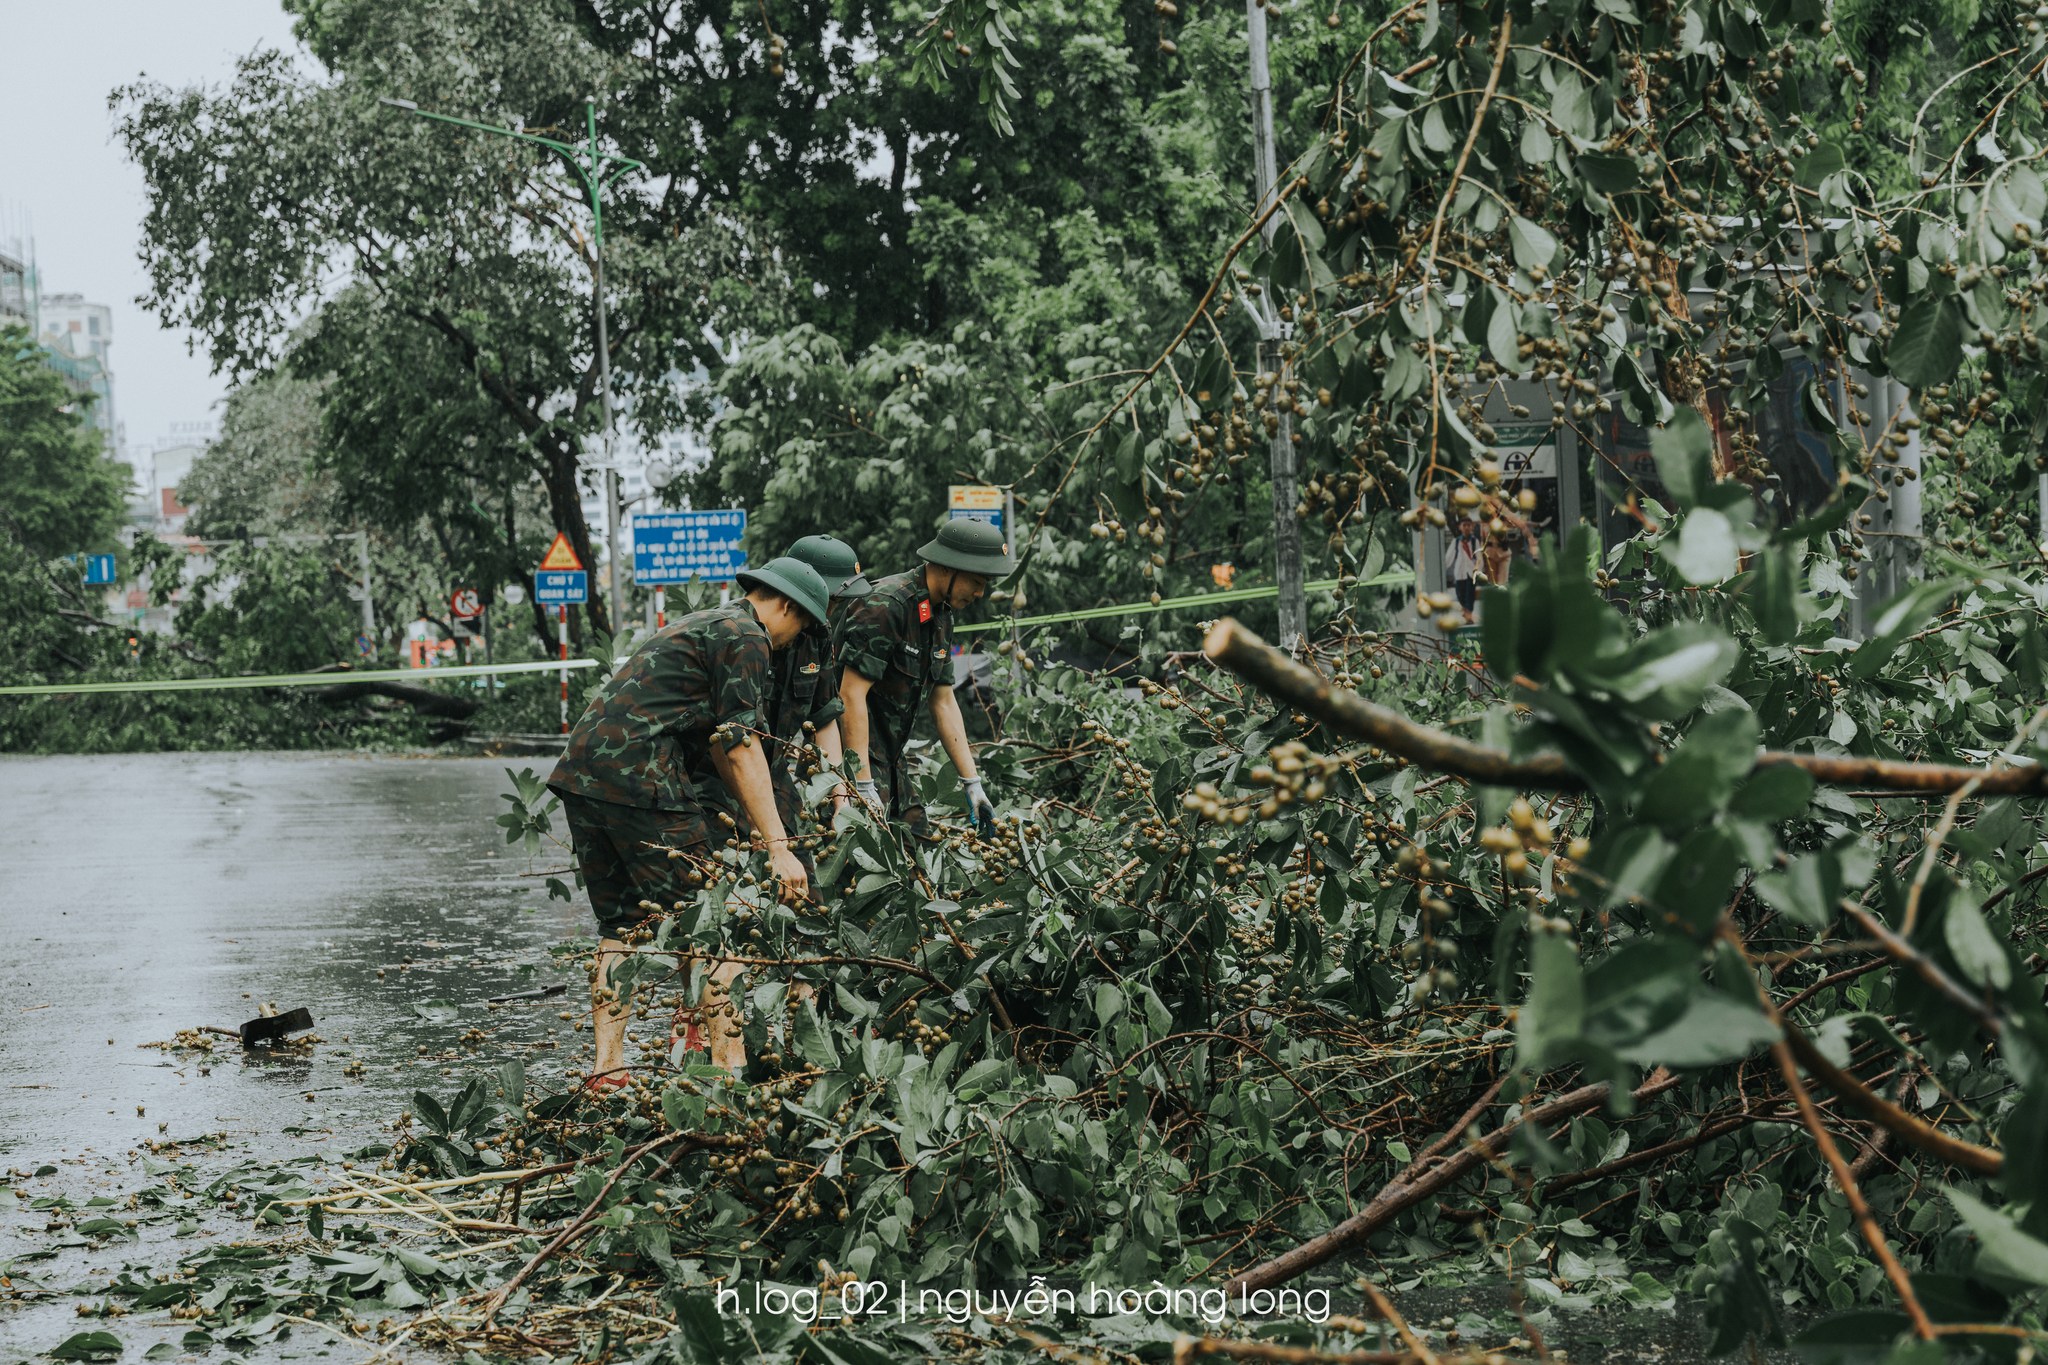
(561,582)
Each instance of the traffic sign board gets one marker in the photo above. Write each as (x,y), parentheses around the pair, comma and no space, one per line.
(976,502)
(561,587)
(464,604)
(673,547)
(561,554)
(99,569)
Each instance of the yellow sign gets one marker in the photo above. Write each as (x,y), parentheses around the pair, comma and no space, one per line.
(561,555)
(976,497)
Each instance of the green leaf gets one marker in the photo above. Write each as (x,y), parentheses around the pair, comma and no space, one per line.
(1901,617)
(1712,1030)
(430,1112)
(1551,1019)
(1772,592)
(1703,552)
(813,1041)
(1608,172)
(1927,348)
(1109,1002)
(2007,1253)
(1820,163)
(1776,793)
(1532,244)
(1698,778)
(1977,951)
(1644,402)
(1537,145)
(1502,341)
(1667,674)
(1684,451)
(1436,133)
(1809,889)
(88,1346)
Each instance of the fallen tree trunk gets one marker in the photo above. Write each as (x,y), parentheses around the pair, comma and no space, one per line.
(424,700)
(1344,712)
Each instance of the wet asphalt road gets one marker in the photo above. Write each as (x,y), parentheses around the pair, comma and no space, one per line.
(143,894)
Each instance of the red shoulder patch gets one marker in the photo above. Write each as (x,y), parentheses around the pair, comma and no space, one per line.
(924,611)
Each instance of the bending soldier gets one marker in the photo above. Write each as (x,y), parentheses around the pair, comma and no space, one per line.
(807,686)
(654,767)
(898,656)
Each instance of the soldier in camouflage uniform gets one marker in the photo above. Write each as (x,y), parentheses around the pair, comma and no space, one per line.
(898,657)
(804,715)
(661,753)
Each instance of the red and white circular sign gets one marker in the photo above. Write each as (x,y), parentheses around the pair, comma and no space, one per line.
(464,603)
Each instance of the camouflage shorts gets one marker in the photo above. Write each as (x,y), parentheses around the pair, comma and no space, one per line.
(623,854)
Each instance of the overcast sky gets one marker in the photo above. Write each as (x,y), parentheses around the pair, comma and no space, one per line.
(63,176)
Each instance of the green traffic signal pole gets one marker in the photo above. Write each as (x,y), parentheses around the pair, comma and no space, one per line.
(597,169)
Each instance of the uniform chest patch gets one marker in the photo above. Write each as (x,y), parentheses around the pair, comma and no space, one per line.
(939,654)
(924,611)
(808,669)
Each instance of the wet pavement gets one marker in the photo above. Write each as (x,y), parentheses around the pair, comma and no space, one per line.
(144,894)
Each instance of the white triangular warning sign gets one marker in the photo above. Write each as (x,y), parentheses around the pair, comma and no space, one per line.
(561,555)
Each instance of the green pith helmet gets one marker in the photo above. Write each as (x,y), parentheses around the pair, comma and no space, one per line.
(835,562)
(969,546)
(794,579)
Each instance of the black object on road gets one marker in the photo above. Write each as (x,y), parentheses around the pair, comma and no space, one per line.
(537,993)
(269,1028)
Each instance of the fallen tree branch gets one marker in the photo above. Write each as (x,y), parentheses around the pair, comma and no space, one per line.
(1924,968)
(1344,712)
(1809,1114)
(578,1225)
(1416,1183)
(1908,1128)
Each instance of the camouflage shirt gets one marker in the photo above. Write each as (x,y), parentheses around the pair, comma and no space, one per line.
(806,685)
(901,641)
(645,739)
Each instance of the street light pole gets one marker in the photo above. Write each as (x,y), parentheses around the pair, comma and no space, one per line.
(1274,331)
(597,170)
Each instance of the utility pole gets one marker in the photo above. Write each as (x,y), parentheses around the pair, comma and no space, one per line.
(604,380)
(1274,333)
(597,169)
(362,540)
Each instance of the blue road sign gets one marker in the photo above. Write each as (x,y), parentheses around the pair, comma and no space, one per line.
(673,547)
(99,570)
(561,587)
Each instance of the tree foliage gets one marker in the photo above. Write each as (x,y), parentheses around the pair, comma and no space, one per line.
(64,497)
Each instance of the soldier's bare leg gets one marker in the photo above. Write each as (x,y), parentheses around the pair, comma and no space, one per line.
(609,1010)
(721,1030)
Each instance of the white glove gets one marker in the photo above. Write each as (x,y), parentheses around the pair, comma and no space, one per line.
(866,789)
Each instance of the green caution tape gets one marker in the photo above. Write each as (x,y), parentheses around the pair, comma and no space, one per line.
(416,675)
(298,679)
(1203,599)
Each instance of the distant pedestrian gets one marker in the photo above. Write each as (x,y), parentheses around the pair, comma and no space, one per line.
(1461,563)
